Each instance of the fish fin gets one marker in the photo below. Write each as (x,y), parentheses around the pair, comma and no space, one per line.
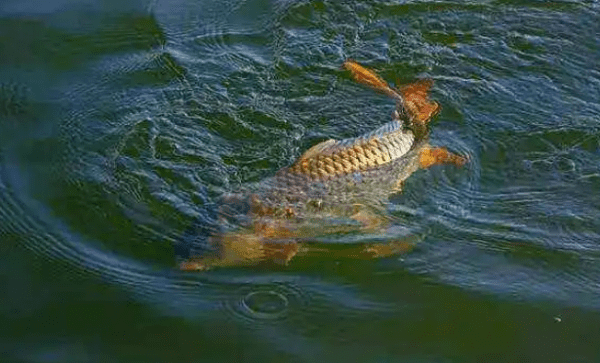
(434,156)
(417,102)
(369,78)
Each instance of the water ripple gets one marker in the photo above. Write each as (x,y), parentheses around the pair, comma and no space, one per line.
(153,125)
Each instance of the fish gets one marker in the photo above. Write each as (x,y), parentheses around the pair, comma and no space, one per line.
(334,187)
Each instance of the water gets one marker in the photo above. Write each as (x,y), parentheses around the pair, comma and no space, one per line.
(121,123)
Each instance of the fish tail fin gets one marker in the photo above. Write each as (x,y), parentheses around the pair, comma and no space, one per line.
(413,97)
(369,78)
(417,103)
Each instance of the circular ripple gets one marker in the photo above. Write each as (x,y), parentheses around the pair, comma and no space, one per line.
(267,303)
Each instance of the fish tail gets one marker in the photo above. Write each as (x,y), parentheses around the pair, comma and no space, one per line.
(413,98)
(369,78)
(417,102)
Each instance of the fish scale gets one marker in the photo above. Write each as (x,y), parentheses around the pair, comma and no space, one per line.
(343,157)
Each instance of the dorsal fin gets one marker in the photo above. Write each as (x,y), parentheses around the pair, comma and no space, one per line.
(417,102)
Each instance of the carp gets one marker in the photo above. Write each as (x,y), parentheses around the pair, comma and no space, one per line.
(334,188)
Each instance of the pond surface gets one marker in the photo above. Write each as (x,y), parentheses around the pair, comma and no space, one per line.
(122,122)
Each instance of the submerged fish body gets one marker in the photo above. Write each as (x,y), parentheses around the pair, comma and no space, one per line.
(335,186)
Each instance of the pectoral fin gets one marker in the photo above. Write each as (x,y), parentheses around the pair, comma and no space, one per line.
(434,156)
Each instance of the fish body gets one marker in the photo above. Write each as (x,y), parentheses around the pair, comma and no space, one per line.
(365,169)
(336,186)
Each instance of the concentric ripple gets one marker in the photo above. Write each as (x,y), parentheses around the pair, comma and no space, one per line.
(266,304)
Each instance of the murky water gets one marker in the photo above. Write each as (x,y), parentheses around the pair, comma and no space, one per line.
(122,123)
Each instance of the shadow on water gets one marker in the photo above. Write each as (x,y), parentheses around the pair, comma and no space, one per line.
(119,134)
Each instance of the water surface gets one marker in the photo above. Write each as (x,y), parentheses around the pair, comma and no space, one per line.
(121,124)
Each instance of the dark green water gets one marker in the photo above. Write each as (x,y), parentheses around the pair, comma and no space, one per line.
(122,122)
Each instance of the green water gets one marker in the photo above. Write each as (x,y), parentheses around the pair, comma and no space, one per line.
(122,123)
